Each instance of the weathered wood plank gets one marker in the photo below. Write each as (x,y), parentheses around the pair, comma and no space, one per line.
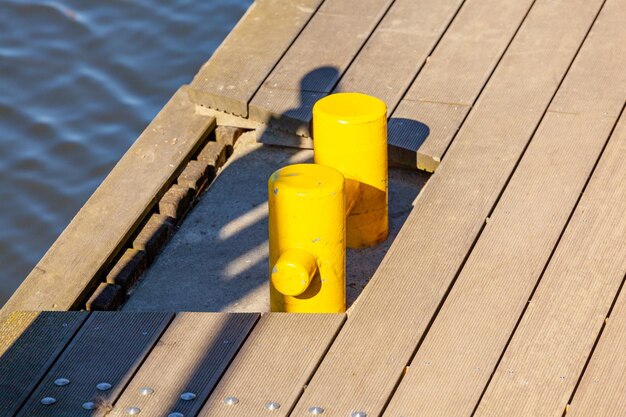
(400,301)
(190,357)
(108,349)
(547,354)
(274,365)
(30,342)
(308,72)
(398,48)
(446,88)
(69,271)
(462,347)
(230,78)
(602,389)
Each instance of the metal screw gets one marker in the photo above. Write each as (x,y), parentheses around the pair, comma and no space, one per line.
(188,396)
(146,391)
(103,386)
(272,406)
(175,414)
(89,405)
(358,414)
(48,400)
(231,400)
(133,410)
(316,410)
(61,382)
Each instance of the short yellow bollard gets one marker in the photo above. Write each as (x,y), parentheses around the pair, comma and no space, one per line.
(350,135)
(307,239)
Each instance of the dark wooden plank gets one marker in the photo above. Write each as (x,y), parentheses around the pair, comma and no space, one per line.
(190,357)
(30,342)
(70,270)
(275,364)
(108,349)
(230,78)
(454,362)
(548,352)
(369,356)
(314,63)
(446,88)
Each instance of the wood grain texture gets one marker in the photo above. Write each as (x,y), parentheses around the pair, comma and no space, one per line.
(109,348)
(454,363)
(602,389)
(69,271)
(554,339)
(398,48)
(315,61)
(454,74)
(191,356)
(30,342)
(370,353)
(274,365)
(230,78)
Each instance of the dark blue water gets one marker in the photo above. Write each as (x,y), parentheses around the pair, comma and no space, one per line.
(79,80)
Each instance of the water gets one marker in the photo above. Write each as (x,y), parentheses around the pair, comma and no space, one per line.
(79,80)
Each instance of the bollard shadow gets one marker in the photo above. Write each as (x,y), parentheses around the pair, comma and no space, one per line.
(40,348)
(405,137)
(295,122)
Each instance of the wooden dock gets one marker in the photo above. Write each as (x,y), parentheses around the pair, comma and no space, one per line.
(501,295)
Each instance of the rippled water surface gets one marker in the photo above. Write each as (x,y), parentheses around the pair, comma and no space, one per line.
(79,80)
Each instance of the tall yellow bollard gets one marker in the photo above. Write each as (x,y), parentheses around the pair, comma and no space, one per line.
(350,135)
(307,239)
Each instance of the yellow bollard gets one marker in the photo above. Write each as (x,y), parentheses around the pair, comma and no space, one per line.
(307,239)
(350,135)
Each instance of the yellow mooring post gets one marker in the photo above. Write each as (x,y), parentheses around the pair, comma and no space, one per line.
(307,239)
(315,210)
(350,135)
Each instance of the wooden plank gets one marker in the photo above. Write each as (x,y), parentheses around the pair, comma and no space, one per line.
(190,357)
(447,87)
(459,353)
(547,354)
(413,122)
(30,342)
(398,48)
(108,349)
(313,64)
(70,270)
(602,389)
(274,365)
(399,302)
(230,78)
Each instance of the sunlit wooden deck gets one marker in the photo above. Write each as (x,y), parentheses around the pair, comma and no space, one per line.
(501,295)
